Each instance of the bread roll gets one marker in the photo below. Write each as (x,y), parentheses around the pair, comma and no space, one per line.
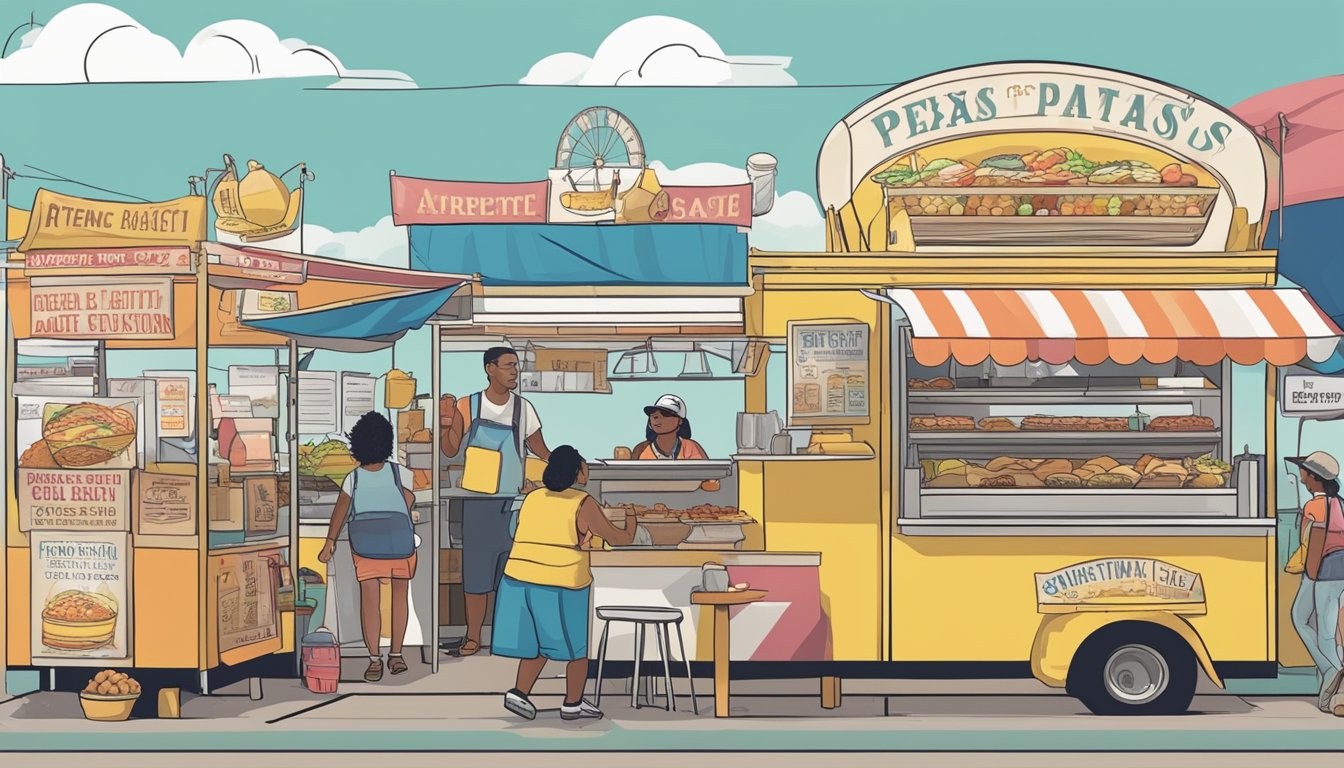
(1141,466)
(1105,462)
(1109,480)
(1053,467)
(1160,481)
(948,481)
(1000,463)
(1206,481)
(1087,472)
(1026,479)
(1063,480)
(1129,472)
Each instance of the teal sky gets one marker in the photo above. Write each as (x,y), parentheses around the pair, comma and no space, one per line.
(147,139)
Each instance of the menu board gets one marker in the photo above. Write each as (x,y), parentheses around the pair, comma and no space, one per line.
(261,384)
(246,591)
(828,372)
(318,403)
(261,503)
(74,499)
(165,504)
(356,398)
(91,308)
(80,597)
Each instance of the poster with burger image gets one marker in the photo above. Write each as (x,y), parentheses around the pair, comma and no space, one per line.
(70,433)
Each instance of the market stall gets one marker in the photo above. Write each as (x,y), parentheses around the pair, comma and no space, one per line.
(1046,312)
(599,310)
(337,306)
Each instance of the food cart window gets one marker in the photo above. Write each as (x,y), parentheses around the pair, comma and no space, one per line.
(1037,439)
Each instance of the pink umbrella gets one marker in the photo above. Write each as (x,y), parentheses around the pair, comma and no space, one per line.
(1314,112)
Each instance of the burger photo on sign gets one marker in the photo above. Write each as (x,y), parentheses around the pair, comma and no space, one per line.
(81,435)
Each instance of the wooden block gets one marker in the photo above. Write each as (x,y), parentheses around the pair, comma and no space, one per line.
(450,566)
(170,703)
(830,693)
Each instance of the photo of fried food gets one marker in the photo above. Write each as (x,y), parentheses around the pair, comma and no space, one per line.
(38,456)
(77,621)
(86,434)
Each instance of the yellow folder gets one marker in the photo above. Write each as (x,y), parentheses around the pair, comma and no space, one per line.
(481,474)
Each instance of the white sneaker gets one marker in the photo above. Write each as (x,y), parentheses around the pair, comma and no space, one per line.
(582,711)
(520,705)
(1337,705)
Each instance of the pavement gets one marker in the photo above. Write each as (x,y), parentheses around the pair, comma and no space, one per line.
(423,716)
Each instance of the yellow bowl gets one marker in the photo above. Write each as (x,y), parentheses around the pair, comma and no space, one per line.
(78,636)
(107,709)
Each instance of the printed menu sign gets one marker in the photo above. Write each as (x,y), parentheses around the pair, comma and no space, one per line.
(80,596)
(246,601)
(165,504)
(261,499)
(317,402)
(74,499)
(74,308)
(174,407)
(261,384)
(356,398)
(828,372)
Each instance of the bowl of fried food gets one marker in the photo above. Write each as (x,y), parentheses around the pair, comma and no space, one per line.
(109,697)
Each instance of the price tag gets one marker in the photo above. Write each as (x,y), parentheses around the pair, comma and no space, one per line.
(1312,395)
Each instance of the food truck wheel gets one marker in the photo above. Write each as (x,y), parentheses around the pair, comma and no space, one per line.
(1134,668)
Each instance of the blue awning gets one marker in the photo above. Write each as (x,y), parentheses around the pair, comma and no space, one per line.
(572,254)
(380,318)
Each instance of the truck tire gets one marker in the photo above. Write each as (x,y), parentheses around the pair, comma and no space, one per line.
(1134,668)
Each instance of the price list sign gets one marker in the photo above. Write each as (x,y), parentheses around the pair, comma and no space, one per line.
(1312,395)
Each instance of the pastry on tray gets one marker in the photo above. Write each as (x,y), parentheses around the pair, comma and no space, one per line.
(1181,424)
(997,424)
(1074,424)
(942,424)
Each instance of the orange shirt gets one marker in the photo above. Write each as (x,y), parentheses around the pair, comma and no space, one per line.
(1314,510)
(690,451)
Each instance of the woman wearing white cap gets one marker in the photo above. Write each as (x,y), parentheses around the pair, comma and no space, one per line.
(668,434)
(1321,596)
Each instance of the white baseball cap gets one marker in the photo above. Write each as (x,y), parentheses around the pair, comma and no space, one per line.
(670,403)
(1320,463)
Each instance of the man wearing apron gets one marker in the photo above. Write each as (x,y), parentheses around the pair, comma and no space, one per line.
(493,428)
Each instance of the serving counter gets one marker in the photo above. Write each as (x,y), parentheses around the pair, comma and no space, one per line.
(789,625)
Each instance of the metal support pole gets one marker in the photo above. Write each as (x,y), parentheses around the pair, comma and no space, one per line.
(292,450)
(436,525)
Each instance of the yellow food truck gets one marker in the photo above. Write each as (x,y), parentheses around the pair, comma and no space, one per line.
(1045,311)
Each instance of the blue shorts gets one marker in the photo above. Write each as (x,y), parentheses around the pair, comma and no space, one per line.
(534,620)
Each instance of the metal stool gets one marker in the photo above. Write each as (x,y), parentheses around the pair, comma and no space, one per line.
(663,620)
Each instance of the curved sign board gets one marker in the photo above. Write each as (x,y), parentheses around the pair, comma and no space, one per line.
(1119,583)
(1022,97)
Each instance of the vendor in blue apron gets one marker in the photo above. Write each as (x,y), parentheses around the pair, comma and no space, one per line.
(492,430)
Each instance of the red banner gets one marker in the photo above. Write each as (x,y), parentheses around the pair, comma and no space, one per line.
(710,205)
(151,260)
(426,201)
(258,265)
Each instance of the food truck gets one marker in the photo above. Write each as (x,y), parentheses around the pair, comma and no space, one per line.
(1044,307)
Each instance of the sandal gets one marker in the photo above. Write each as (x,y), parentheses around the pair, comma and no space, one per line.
(469,647)
(396,664)
(375,671)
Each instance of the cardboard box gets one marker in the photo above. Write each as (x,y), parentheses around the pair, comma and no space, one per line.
(225,507)
(165,504)
(246,591)
(411,421)
(450,566)
(416,456)
(261,504)
(84,500)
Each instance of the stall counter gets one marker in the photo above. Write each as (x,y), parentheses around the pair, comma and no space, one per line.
(789,625)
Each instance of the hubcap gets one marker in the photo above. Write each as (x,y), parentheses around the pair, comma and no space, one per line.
(1136,674)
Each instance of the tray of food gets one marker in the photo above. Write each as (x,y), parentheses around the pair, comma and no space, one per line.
(1074,424)
(1181,424)
(1099,472)
(1050,197)
(942,424)
(939,384)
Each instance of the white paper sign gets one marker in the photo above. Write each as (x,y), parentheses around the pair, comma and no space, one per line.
(1312,395)
(318,401)
(261,383)
(356,398)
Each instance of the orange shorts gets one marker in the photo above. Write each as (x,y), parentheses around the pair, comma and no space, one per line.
(367,568)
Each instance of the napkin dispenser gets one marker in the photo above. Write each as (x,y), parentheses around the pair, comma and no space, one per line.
(756,431)
(713,578)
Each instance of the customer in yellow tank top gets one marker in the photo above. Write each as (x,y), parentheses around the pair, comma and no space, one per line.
(541,609)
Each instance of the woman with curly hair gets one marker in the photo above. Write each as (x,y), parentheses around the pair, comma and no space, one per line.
(377,499)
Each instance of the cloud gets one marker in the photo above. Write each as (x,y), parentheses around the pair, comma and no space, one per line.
(382,244)
(95,43)
(659,51)
(793,224)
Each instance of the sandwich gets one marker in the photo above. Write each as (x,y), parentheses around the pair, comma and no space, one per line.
(87,434)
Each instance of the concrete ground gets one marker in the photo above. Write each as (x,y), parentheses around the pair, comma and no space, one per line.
(962,723)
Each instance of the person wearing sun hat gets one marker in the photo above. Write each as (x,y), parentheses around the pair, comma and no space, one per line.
(668,432)
(1321,596)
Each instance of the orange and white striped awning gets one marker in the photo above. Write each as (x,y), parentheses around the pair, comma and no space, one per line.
(1281,326)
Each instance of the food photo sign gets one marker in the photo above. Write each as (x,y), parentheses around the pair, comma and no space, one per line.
(78,433)
(80,597)
(828,372)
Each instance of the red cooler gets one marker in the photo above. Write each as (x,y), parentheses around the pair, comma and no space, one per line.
(321,661)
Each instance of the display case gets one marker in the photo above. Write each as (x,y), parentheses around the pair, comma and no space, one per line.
(680,504)
(1069,441)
